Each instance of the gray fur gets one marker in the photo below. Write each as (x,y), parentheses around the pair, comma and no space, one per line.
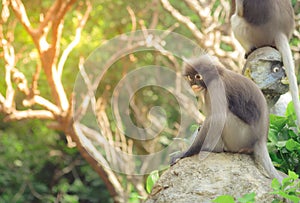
(259,23)
(237,120)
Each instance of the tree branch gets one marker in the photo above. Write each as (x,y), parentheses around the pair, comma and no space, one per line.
(34,82)
(9,58)
(57,26)
(2,101)
(182,19)
(111,181)
(21,14)
(44,103)
(76,40)
(49,15)
(29,114)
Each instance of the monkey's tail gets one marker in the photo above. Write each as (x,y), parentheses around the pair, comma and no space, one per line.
(264,162)
(282,44)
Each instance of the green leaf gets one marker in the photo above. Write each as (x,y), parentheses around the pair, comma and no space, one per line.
(224,199)
(286,182)
(247,198)
(289,189)
(290,110)
(273,135)
(281,144)
(293,175)
(151,180)
(291,115)
(290,197)
(277,122)
(292,145)
(275,184)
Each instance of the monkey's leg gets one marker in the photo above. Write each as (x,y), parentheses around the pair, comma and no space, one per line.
(254,48)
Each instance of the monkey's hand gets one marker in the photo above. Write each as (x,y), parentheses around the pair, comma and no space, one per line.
(176,158)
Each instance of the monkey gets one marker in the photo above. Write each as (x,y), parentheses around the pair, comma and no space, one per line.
(259,23)
(237,118)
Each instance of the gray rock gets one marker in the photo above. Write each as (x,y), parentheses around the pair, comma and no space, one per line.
(204,177)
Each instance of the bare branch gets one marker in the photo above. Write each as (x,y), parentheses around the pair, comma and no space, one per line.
(9,58)
(58,25)
(45,23)
(213,31)
(155,15)
(21,14)
(44,103)
(76,40)
(94,158)
(133,18)
(5,11)
(20,79)
(35,78)
(182,19)
(29,114)
(198,8)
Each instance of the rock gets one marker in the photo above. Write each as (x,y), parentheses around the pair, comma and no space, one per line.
(215,174)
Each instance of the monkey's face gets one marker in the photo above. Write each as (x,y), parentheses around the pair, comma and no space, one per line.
(196,82)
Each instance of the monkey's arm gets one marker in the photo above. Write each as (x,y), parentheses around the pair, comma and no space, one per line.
(202,142)
(209,136)
(197,144)
(198,141)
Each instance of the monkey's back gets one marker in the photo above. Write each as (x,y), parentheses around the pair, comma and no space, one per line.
(248,117)
(245,99)
(262,20)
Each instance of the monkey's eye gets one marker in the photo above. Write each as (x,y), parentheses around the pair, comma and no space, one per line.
(276,69)
(198,77)
(189,78)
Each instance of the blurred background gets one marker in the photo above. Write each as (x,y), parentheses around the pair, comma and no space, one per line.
(43,47)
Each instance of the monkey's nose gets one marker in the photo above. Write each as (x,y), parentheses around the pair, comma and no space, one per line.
(196,88)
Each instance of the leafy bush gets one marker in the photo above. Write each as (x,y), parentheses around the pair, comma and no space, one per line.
(284,141)
(37,166)
(288,189)
(247,198)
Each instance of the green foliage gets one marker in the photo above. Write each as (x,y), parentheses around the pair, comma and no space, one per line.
(284,141)
(37,166)
(151,180)
(247,198)
(224,199)
(288,189)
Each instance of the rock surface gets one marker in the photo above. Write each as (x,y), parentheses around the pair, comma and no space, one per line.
(204,177)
